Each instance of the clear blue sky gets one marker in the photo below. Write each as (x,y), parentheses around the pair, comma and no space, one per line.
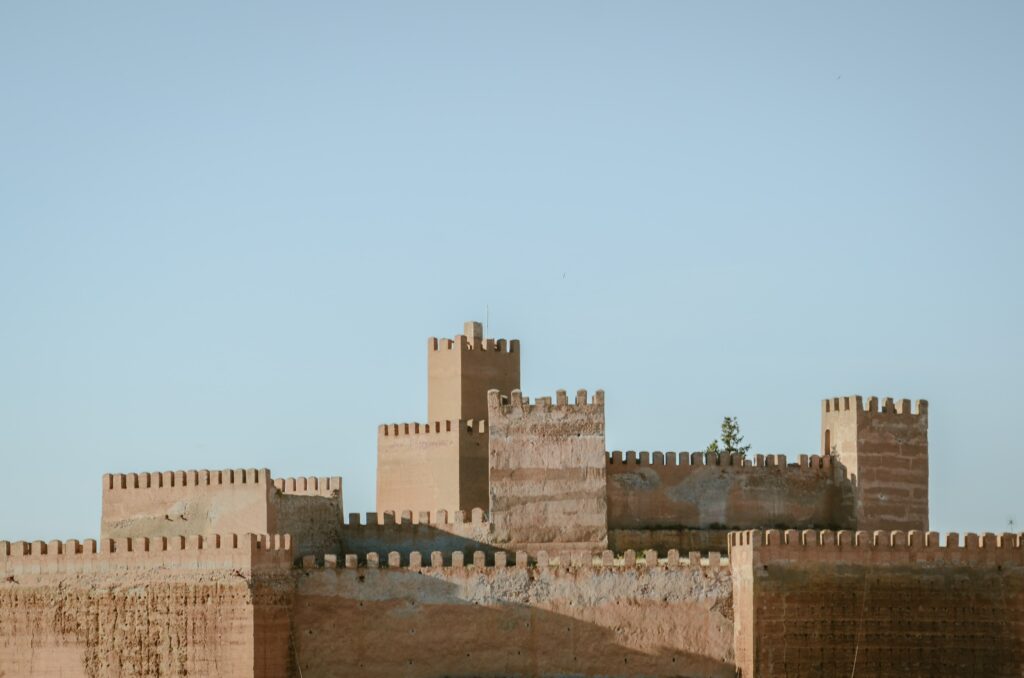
(226,229)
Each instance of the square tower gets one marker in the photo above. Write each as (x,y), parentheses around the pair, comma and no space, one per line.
(460,371)
(548,481)
(885,451)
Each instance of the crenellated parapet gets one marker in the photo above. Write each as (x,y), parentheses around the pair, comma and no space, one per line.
(811,462)
(176,480)
(194,552)
(516,403)
(564,560)
(878,547)
(874,405)
(314,486)
(448,426)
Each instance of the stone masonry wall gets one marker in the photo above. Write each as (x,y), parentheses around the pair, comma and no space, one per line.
(877,604)
(424,617)
(666,491)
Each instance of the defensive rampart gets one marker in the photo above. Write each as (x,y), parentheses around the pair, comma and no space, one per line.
(170,503)
(668,500)
(204,606)
(450,615)
(812,603)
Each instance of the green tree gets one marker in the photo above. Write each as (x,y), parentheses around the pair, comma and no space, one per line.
(731,439)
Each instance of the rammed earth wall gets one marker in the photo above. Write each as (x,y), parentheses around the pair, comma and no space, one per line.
(476,618)
(665,491)
(877,604)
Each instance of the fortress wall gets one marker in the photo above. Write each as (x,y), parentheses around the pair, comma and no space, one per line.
(662,540)
(699,491)
(169,503)
(311,510)
(431,466)
(420,618)
(812,603)
(406,532)
(177,608)
(547,470)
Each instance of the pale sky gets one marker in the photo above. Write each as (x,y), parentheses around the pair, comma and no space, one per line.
(227,229)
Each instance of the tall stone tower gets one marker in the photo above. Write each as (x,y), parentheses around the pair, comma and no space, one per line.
(442,464)
(460,371)
(885,451)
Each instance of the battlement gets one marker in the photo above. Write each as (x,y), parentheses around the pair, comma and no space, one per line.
(440,518)
(418,560)
(871,404)
(772,461)
(881,546)
(463,343)
(215,551)
(478,426)
(517,402)
(179,479)
(310,486)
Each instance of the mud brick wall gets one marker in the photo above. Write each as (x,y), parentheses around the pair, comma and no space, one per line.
(666,491)
(877,604)
(547,471)
(142,607)
(422,616)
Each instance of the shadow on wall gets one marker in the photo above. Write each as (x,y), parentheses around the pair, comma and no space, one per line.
(514,622)
(407,537)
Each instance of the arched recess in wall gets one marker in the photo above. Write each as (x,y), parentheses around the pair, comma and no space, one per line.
(827,441)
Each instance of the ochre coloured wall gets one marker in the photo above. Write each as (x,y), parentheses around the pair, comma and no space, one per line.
(721,492)
(877,604)
(146,607)
(170,503)
(478,619)
(311,510)
(461,371)
(434,466)
(547,471)
(884,448)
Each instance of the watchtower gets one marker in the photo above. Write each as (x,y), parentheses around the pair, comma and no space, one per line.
(885,451)
(442,464)
(460,371)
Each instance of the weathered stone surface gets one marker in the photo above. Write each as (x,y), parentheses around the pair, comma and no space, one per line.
(587,621)
(547,471)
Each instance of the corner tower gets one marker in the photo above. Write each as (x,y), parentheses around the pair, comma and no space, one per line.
(885,451)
